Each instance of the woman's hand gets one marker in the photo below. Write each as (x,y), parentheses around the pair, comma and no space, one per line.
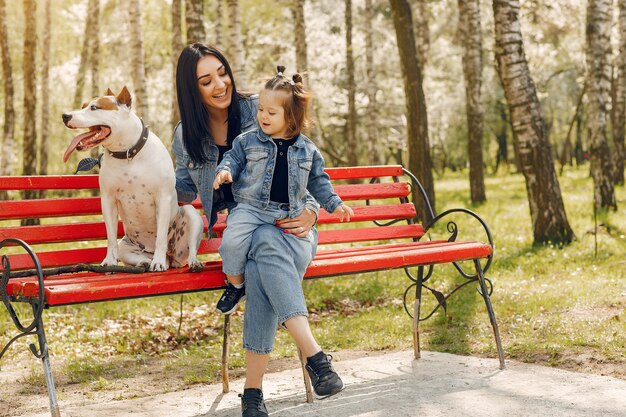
(300,225)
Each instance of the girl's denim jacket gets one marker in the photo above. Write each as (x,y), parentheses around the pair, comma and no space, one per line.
(193,178)
(251,163)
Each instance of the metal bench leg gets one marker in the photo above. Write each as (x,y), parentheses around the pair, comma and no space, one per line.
(492,316)
(47,368)
(225,350)
(416,313)
(307,381)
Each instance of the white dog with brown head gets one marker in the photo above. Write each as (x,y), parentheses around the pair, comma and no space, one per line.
(137,183)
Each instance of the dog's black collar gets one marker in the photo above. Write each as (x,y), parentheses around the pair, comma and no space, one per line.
(132,152)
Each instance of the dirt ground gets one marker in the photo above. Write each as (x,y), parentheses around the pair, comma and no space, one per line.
(22,392)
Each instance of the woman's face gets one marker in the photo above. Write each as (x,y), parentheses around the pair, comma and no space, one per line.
(214,84)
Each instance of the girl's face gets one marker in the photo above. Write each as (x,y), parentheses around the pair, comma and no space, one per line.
(271,114)
(214,84)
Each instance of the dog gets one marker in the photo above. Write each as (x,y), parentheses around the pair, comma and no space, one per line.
(137,182)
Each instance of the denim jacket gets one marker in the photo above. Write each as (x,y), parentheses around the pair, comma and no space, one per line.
(193,178)
(251,163)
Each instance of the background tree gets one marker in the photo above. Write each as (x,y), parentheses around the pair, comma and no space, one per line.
(194,19)
(235,45)
(420,162)
(619,107)
(8,148)
(598,84)
(529,131)
(89,34)
(29,148)
(45,92)
(177,47)
(371,131)
(140,95)
(422,33)
(351,117)
(471,38)
(299,31)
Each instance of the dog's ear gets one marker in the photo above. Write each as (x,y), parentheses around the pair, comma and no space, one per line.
(109,92)
(124,97)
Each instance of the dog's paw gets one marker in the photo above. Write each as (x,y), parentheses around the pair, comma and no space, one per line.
(158,267)
(196,266)
(109,261)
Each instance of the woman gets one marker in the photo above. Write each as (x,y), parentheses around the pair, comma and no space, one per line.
(213,113)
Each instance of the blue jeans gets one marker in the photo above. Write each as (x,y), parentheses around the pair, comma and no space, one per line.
(241,222)
(274,271)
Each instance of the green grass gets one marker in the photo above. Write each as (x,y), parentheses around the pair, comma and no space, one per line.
(553,304)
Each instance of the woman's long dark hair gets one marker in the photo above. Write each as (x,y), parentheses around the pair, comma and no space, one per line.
(193,114)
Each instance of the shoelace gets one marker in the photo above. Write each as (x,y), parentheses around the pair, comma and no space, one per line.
(253,402)
(323,368)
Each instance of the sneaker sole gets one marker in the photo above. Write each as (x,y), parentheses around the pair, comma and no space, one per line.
(321,397)
(226,313)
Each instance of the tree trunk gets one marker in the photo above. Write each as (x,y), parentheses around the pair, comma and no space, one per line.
(420,14)
(140,95)
(8,151)
(177,47)
(29,149)
(375,156)
(620,96)
(219,19)
(299,28)
(420,162)
(235,49)
(598,85)
(471,36)
(501,136)
(351,119)
(194,18)
(94,62)
(529,131)
(91,28)
(45,92)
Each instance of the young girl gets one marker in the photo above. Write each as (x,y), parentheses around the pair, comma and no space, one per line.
(273,169)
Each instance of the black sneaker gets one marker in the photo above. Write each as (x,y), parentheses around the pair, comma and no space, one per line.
(231,297)
(252,404)
(324,379)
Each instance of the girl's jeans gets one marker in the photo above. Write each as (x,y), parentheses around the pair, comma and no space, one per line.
(241,223)
(273,274)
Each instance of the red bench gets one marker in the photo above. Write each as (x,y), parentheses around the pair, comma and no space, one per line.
(384,200)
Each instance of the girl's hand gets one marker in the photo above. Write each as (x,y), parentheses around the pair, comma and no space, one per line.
(299,226)
(220,178)
(343,212)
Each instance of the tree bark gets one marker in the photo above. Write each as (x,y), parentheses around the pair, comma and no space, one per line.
(471,36)
(140,94)
(619,107)
(422,35)
(8,153)
(420,162)
(375,156)
(177,47)
(235,49)
(45,92)
(529,131)
(351,117)
(598,85)
(29,145)
(302,64)
(194,18)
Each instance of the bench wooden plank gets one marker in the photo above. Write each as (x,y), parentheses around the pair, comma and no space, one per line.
(96,287)
(89,231)
(77,182)
(79,206)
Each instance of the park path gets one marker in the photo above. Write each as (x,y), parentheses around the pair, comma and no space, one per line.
(394,385)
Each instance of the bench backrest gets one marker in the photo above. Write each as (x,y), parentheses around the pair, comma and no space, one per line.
(72,230)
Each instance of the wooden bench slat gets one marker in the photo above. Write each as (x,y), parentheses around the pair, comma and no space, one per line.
(60,258)
(74,182)
(82,289)
(79,206)
(89,231)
